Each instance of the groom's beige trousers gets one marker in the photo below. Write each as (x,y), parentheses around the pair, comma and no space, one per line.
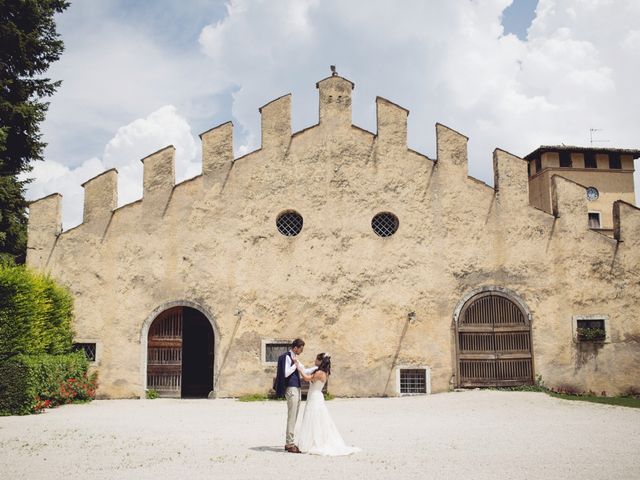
(293,396)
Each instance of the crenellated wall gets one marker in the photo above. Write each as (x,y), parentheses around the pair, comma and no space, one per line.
(212,242)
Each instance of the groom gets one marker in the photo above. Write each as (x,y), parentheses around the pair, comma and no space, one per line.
(288,385)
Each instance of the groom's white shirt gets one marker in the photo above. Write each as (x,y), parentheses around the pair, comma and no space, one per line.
(290,367)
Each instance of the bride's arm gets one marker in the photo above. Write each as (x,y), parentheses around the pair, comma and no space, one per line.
(304,376)
(317,375)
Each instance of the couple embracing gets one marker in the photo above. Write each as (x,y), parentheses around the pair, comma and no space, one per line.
(318,434)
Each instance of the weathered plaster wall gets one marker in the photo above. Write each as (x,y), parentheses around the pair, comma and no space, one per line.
(212,241)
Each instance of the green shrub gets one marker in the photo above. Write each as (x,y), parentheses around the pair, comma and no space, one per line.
(35,313)
(29,383)
(152,394)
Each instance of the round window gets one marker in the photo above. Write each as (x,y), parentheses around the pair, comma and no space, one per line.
(592,193)
(289,223)
(385,224)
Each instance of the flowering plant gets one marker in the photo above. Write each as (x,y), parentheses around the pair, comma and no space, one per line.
(40,405)
(70,390)
(74,389)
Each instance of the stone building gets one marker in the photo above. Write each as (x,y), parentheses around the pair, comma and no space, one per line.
(416,277)
(607,174)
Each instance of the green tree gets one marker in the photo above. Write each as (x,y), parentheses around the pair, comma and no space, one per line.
(29,43)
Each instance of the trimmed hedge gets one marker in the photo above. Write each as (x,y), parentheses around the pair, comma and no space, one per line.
(35,313)
(37,369)
(29,383)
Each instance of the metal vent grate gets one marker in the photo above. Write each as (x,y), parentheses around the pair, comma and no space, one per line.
(413,380)
(289,224)
(385,224)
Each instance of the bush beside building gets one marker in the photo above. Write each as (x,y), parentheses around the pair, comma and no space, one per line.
(38,367)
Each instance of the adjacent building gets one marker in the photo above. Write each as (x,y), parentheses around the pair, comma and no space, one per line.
(606,173)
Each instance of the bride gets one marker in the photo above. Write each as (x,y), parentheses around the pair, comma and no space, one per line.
(318,433)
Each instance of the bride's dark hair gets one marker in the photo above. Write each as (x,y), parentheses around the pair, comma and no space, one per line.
(325,363)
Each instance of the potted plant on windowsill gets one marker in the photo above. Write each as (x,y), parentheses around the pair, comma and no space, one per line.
(591,335)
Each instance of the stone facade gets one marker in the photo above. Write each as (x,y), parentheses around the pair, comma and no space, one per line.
(374,302)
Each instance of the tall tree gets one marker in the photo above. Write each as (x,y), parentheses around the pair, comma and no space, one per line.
(29,43)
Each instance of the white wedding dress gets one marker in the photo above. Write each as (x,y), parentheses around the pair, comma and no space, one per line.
(318,434)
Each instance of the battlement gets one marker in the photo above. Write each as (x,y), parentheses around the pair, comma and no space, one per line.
(45,225)
(335,102)
(334,126)
(100,199)
(391,121)
(626,224)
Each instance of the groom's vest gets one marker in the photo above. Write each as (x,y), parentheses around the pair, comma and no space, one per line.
(283,382)
(293,380)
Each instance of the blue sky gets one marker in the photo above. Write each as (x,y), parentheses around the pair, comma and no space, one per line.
(138,76)
(518,16)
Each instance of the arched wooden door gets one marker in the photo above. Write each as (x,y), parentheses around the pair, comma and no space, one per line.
(493,340)
(180,354)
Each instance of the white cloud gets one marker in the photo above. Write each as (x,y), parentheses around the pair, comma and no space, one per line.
(53,177)
(147,135)
(131,143)
(115,69)
(447,62)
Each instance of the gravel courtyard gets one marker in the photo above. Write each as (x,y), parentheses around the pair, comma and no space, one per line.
(474,434)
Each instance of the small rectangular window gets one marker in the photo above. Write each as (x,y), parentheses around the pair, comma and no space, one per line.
(565,160)
(594,219)
(538,164)
(529,168)
(590,160)
(413,380)
(272,350)
(614,161)
(88,348)
(591,330)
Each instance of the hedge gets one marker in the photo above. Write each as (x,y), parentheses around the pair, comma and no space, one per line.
(37,369)
(35,313)
(29,383)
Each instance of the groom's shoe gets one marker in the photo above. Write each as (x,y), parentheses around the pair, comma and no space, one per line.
(292,449)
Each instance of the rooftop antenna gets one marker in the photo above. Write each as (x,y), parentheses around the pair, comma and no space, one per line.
(333,70)
(591,132)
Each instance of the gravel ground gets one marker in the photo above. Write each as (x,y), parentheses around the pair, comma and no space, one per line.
(474,434)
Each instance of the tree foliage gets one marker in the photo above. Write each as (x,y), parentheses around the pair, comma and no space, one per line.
(29,43)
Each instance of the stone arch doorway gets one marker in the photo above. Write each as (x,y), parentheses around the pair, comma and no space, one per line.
(180,353)
(493,340)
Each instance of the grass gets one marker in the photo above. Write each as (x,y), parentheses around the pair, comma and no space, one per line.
(254,397)
(151,394)
(632,402)
(261,397)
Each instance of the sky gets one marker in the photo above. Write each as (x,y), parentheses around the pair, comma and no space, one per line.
(138,76)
